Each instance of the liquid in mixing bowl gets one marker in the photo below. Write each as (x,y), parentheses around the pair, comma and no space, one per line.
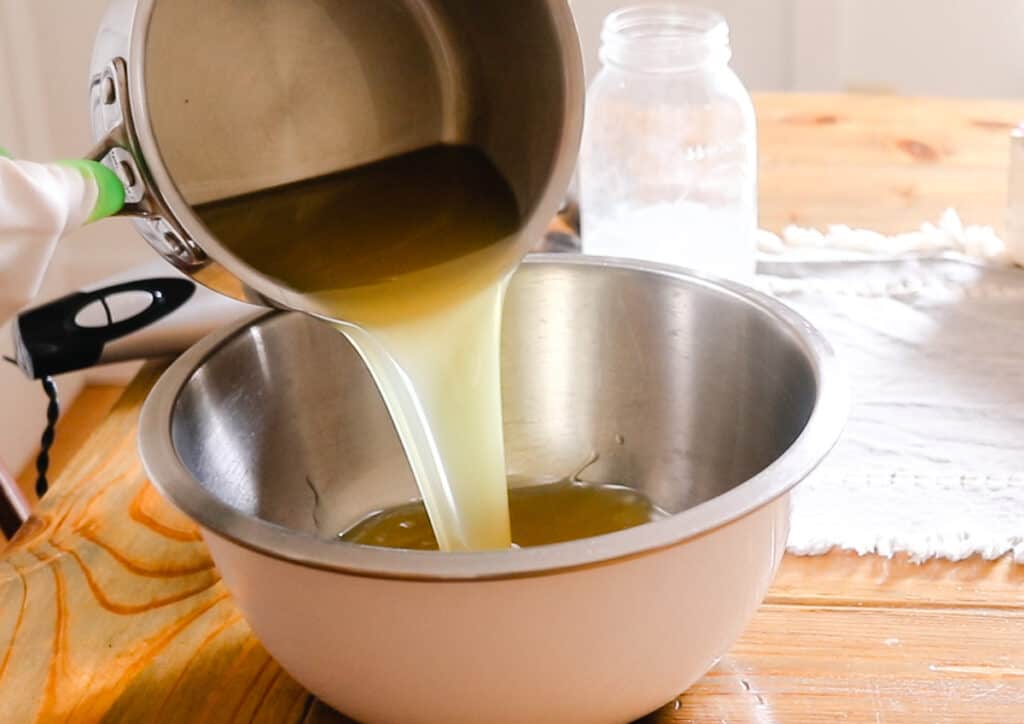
(540,515)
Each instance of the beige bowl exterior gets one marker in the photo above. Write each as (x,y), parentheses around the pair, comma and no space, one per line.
(598,645)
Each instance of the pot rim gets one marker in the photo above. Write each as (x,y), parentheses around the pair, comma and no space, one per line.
(173,479)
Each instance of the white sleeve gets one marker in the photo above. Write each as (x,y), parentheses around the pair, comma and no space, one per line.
(39,203)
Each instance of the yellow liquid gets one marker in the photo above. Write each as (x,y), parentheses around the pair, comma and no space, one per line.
(384,243)
(540,515)
(411,256)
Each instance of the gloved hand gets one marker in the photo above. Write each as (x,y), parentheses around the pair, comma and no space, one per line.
(39,204)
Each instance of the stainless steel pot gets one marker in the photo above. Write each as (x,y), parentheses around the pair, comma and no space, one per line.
(198,100)
(711,398)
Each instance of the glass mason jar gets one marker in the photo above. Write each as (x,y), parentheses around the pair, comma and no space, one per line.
(668,169)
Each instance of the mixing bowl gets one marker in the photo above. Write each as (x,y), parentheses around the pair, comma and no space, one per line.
(712,399)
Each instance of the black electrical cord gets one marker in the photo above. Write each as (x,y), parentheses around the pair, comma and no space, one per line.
(49,433)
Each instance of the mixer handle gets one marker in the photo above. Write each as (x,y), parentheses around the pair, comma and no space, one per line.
(71,333)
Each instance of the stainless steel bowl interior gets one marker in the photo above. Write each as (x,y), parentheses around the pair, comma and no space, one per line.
(709,398)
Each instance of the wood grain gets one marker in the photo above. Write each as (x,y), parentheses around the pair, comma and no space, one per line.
(880,162)
(110,609)
(808,664)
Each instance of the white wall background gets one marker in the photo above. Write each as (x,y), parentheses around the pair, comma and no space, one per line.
(938,47)
(761,31)
(963,48)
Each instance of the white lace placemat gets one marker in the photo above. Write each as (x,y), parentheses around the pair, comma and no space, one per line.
(932,461)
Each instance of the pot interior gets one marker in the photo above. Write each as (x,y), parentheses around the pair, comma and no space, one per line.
(246,96)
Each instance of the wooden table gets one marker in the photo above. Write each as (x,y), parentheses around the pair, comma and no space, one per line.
(110,607)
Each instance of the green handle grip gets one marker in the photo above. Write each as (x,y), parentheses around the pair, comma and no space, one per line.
(109,191)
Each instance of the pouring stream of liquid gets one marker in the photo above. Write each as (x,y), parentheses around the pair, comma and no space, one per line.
(411,256)
(432,390)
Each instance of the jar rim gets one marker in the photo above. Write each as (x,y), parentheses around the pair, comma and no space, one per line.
(665,21)
(664,37)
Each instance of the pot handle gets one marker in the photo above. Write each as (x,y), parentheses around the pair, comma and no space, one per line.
(118,151)
(108,100)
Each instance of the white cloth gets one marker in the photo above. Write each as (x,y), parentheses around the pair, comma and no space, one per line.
(843,243)
(39,203)
(932,461)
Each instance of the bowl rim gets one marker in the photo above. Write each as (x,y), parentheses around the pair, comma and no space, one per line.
(176,483)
